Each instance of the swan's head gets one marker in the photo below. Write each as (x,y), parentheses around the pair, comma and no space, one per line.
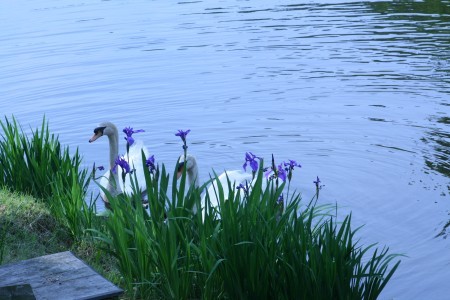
(104,128)
(189,164)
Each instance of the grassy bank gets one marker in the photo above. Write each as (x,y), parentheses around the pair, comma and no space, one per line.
(259,241)
(28,229)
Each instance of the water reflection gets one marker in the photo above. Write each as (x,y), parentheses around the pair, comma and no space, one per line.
(426,26)
(437,158)
(439,138)
(411,6)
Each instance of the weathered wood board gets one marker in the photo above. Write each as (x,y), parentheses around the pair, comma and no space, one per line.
(58,276)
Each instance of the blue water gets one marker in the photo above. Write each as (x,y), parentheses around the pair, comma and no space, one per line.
(357,92)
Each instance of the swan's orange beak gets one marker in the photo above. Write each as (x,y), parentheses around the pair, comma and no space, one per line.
(95,136)
(98,132)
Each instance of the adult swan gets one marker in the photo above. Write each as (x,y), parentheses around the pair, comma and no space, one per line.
(112,181)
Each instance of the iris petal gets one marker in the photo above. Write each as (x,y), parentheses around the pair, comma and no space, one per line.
(254,165)
(130,140)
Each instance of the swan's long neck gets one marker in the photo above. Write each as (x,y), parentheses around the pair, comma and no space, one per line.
(113,148)
(113,183)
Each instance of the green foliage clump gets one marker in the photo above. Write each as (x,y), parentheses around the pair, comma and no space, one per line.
(242,249)
(39,166)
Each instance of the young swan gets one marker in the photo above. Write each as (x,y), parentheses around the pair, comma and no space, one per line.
(236,177)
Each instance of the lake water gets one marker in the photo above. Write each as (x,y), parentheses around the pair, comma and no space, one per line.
(357,92)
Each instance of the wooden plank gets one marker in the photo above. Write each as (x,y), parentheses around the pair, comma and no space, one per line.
(59,276)
(34,269)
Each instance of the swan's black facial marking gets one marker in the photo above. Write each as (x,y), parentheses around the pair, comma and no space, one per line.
(99,130)
(180,167)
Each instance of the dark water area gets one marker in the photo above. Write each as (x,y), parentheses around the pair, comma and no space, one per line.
(356,91)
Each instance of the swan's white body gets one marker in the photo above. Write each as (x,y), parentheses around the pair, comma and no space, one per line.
(236,177)
(134,159)
(112,181)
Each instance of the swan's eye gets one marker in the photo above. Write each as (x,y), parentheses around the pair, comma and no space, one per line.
(99,129)
(180,166)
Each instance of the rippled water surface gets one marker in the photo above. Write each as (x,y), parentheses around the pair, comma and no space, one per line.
(357,92)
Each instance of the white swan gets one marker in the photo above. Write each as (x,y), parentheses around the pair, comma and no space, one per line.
(112,181)
(236,177)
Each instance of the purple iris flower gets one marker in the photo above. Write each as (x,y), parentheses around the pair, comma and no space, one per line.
(120,161)
(182,134)
(250,159)
(101,168)
(129,132)
(316,182)
(281,172)
(289,166)
(242,186)
(280,199)
(150,163)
